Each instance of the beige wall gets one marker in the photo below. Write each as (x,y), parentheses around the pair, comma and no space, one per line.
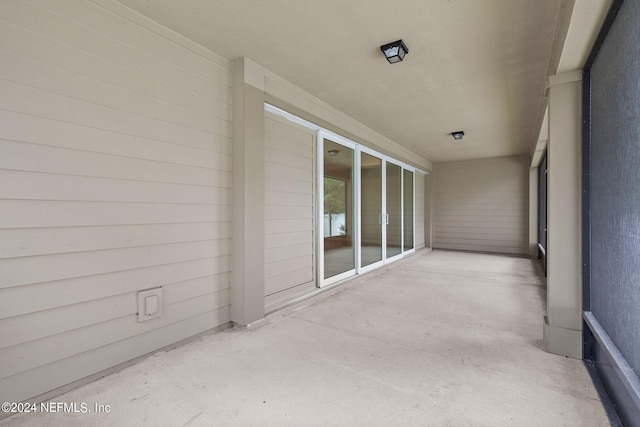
(289,209)
(117,157)
(115,164)
(482,205)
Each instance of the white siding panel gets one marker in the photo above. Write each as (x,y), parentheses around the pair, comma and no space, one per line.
(287,185)
(288,239)
(147,41)
(22,300)
(295,280)
(482,205)
(280,170)
(36,269)
(287,266)
(41,48)
(38,130)
(288,212)
(36,102)
(276,226)
(45,186)
(22,242)
(286,144)
(60,25)
(52,79)
(493,231)
(469,246)
(21,329)
(289,245)
(19,156)
(36,213)
(39,352)
(115,176)
(278,198)
(285,138)
(287,252)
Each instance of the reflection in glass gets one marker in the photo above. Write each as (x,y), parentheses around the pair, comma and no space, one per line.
(394,209)
(339,254)
(335,202)
(371,209)
(408,209)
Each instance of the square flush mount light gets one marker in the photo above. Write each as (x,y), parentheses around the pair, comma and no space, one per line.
(457,135)
(394,52)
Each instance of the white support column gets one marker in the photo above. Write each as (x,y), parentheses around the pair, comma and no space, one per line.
(428,210)
(563,324)
(247,267)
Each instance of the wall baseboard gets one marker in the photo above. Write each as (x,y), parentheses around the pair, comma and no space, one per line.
(622,384)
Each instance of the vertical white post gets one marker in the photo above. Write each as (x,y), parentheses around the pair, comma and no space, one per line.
(247,273)
(563,328)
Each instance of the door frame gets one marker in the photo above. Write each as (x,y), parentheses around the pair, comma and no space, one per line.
(383,205)
(355,201)
(321,134)
(358,149)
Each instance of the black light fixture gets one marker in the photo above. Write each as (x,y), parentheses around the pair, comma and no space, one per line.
(394,52)
(457,135)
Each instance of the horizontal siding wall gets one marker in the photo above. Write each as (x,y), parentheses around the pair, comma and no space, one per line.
(289,209)
(115,176)
(482,205)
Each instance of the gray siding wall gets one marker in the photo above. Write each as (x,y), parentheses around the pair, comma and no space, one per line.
(115,176)
(289,209)
(482,205)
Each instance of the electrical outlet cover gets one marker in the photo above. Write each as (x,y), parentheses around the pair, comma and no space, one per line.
(149,304)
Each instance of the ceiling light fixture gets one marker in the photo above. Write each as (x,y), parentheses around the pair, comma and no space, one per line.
(394,52)
(457,135)
(333,153)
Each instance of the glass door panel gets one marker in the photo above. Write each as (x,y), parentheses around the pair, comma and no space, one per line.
(408,209)
(371,209)
(394,210)
(338,225)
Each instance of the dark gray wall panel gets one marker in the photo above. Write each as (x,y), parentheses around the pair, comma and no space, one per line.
(615,184)
(542,202)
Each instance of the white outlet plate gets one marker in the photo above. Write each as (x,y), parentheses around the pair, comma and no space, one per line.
(149,304)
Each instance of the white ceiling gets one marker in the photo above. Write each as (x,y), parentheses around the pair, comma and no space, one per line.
(473,65)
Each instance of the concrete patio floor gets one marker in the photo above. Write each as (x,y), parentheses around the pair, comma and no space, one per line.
(438,339)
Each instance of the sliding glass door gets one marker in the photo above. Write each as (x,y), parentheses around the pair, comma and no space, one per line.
(393,210)
(338,210)
(367,209)
(408,196)
(371,208)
